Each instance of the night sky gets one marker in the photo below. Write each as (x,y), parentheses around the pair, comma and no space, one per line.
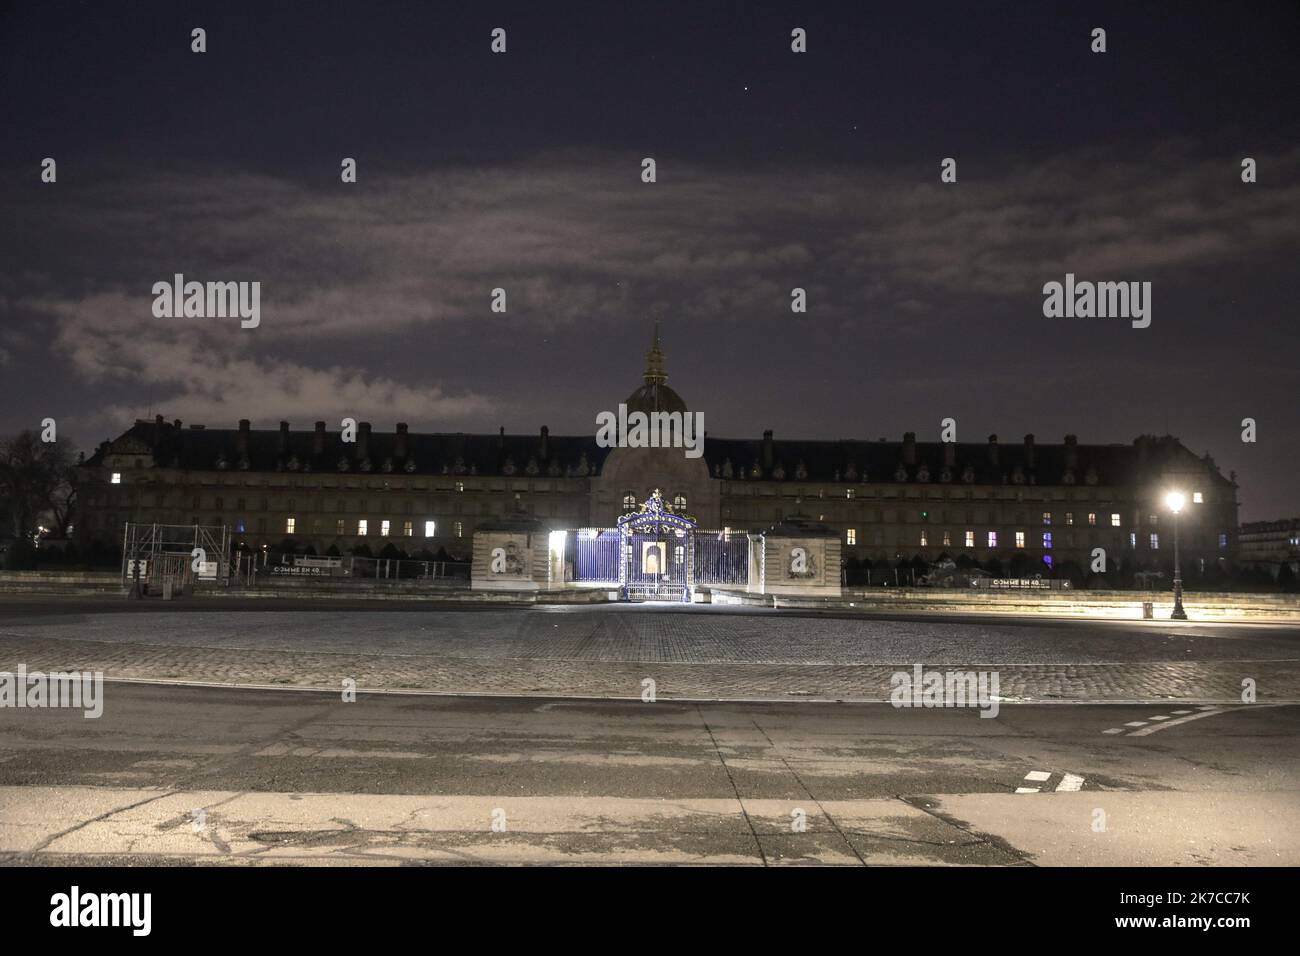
(775,170)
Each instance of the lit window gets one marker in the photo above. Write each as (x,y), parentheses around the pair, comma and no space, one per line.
(1114,519)
(339,526)
(1132,539)
(848,493)
(851,536)
(460,486)
(1047,539)
(1092,517)
(993,539)
(1151,519)
(679,502)
(1069,517)
(116,479)
(1197,498)
(1155,542)
(947,539)
(1223,541)
(406,529)
(629,502)
(1020,539)
(460,530)
(361,527)
(925,539)
(289,524)
(1047,560)
(383,528)
(428,528)
(970,539)
(239,525)
(1047,517)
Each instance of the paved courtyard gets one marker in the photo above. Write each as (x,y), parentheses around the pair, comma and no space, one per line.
(610,651)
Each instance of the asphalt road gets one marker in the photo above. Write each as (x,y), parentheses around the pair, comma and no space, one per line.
(237,776)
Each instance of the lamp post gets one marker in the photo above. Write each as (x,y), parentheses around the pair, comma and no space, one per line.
(1175,500)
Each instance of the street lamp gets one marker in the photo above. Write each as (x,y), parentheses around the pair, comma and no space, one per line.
(1175,500)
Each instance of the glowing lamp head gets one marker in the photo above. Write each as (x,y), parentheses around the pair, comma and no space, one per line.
(1175,500)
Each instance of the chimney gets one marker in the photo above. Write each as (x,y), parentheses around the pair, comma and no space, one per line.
(318,439)
(400,442)
(363,441)
(1071,451)
(501,437)
(909,448)
(284,439)
(1029,451)
(157,430)
(176,424)
(993,449)
(546,443)
(241,440)
(949,454)
(767,450)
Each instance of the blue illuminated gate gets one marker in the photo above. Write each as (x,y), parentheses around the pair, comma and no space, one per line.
(655,554)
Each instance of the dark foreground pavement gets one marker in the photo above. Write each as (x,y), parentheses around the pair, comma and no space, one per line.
(185,774)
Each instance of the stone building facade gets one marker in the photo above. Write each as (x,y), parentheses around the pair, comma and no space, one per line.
(888,501)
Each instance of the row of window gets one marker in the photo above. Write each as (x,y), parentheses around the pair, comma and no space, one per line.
(991,539)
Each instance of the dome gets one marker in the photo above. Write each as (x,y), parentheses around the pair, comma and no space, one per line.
(655,395)
(655,398)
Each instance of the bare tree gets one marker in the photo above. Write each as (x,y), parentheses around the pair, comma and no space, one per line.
(37,480)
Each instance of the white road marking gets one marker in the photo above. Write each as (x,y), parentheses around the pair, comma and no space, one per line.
(1159,717)
(1182,712)
(1114,730)
(1026,789)
(1070,783)
(1136,723)
(1175,722)
(1038,776)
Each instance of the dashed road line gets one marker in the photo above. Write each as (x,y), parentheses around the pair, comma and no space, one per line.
(1070,782)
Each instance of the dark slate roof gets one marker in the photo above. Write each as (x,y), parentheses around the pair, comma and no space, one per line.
(203,449)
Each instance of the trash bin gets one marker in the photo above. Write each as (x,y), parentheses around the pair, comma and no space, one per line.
(1148,610)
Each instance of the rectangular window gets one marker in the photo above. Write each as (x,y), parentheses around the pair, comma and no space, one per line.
(289,524)
(1197,498)
(1092,517)
(428,528)
(947,539)
(1047,539)
(239,525)
(1020,539)
(851,536)
(1155,542)
(1114,519)
(361,527)
(406,529)
(460,486)
(339,526)
(116,479)
(1069,517)
(1223,542)
(1047,517)
(1151,519)
(1133,539)
(460,530)
(848,493)
(993,539)
(383,528)
(925,539)
(970,539)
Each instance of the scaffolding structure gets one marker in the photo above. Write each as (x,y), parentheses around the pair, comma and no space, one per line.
(168,559)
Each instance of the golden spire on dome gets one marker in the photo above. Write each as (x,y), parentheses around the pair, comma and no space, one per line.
(655,374)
